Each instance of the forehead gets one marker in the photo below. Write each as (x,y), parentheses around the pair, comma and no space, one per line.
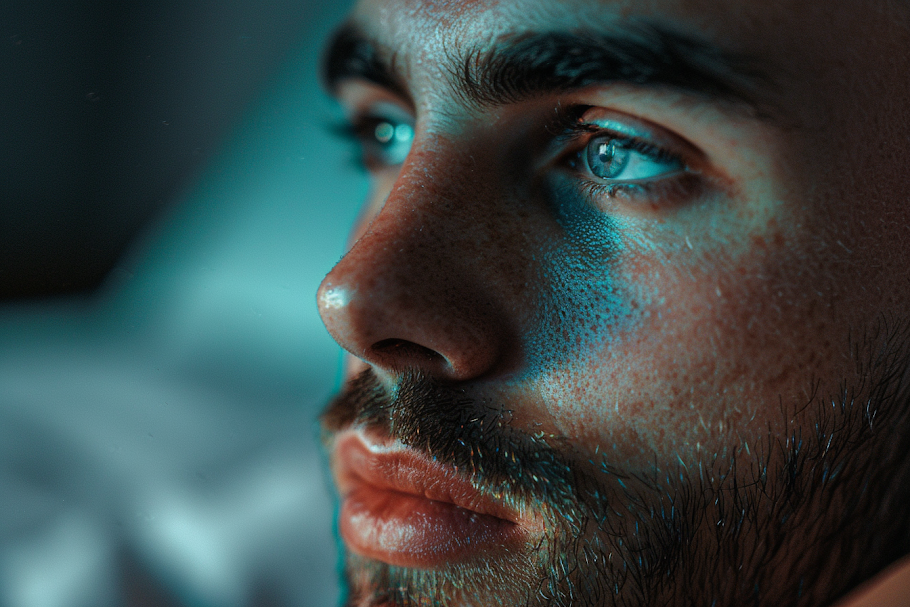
(821,63)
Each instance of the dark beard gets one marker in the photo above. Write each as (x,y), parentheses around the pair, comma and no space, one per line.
(798,519)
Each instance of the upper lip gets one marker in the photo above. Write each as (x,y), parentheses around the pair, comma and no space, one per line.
(358,460)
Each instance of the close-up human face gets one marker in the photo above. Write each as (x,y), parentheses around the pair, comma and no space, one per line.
(625,306)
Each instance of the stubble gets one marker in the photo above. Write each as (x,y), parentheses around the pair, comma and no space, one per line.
(798,519)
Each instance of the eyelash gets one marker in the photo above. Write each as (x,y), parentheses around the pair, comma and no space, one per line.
(661,192)
(358,129)
(572,132)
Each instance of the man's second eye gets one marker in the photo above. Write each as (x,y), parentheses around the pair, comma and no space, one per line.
(385,143)
(613,158)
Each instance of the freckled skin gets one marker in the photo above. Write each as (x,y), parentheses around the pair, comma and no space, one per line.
(648,333)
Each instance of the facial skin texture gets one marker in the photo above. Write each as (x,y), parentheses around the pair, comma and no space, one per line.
(726,340)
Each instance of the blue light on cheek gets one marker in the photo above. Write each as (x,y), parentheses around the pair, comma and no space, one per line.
(581,306)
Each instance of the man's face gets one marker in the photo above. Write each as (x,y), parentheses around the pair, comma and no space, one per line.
(624,268)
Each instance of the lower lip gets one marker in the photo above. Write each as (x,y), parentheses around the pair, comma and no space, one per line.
(412,531)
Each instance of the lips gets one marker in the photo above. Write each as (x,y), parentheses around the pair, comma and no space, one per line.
(402,508)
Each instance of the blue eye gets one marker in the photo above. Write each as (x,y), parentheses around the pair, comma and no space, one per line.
(606,158)
(382,142)
(392,142)
(614,156)
(620,159)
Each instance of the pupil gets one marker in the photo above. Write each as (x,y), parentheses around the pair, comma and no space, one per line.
(605,159)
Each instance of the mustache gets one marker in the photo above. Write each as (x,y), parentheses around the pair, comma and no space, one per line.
(450,427)
(721,527)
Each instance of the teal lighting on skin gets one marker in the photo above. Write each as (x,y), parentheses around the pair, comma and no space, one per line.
(582,304)
(600,165)
(595,163)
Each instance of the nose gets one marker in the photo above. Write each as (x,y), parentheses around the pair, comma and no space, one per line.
(411,292)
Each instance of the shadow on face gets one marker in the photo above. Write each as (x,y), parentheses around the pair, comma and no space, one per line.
(649,236)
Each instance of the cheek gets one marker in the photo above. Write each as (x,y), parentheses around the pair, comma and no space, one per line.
(584,304)
(685,350)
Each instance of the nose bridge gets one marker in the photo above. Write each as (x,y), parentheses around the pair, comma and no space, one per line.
(413,290)
(432,193)
(429,226)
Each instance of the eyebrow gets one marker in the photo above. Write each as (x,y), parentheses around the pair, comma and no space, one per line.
(351,54)
(521,67)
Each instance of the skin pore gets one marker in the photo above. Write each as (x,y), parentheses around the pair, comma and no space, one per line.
(679,304)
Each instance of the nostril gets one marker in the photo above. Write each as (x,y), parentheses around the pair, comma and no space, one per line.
(402,353)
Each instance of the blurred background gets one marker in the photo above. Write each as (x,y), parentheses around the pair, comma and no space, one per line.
(171,198)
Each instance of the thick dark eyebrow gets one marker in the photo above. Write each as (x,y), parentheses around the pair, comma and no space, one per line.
(521,67)
(530,65)
(351,54)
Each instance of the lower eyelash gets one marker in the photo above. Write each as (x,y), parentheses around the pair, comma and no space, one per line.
(665,192)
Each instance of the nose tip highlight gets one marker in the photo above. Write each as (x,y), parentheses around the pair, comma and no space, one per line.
(406,296)
(333,301)
(397,327)
(333,298)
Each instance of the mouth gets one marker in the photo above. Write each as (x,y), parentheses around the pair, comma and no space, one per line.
(403,508)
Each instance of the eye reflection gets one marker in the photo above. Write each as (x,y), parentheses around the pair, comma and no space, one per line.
(610,157)
(383,142)
(613,158)
(386,131)
(605,158)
